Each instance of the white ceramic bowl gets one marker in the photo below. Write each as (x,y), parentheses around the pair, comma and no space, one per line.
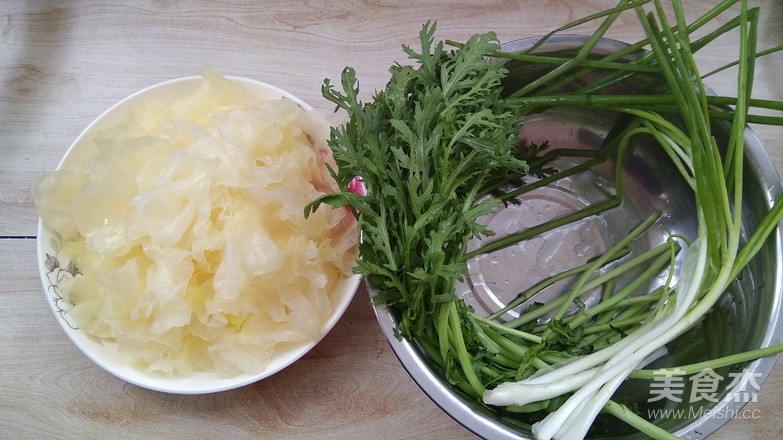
(54,267)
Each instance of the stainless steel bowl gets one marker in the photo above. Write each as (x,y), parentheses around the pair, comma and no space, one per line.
(746,317)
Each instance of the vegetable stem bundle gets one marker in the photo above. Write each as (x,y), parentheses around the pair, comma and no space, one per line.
(437,150)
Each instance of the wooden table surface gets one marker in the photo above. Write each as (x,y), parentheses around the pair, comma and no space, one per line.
(64,63)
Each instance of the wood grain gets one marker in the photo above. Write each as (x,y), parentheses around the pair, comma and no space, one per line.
(64,63)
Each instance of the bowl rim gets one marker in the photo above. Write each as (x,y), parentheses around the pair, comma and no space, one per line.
(485,426)
(198,382)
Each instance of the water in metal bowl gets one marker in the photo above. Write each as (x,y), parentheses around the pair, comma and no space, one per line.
(745,318)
